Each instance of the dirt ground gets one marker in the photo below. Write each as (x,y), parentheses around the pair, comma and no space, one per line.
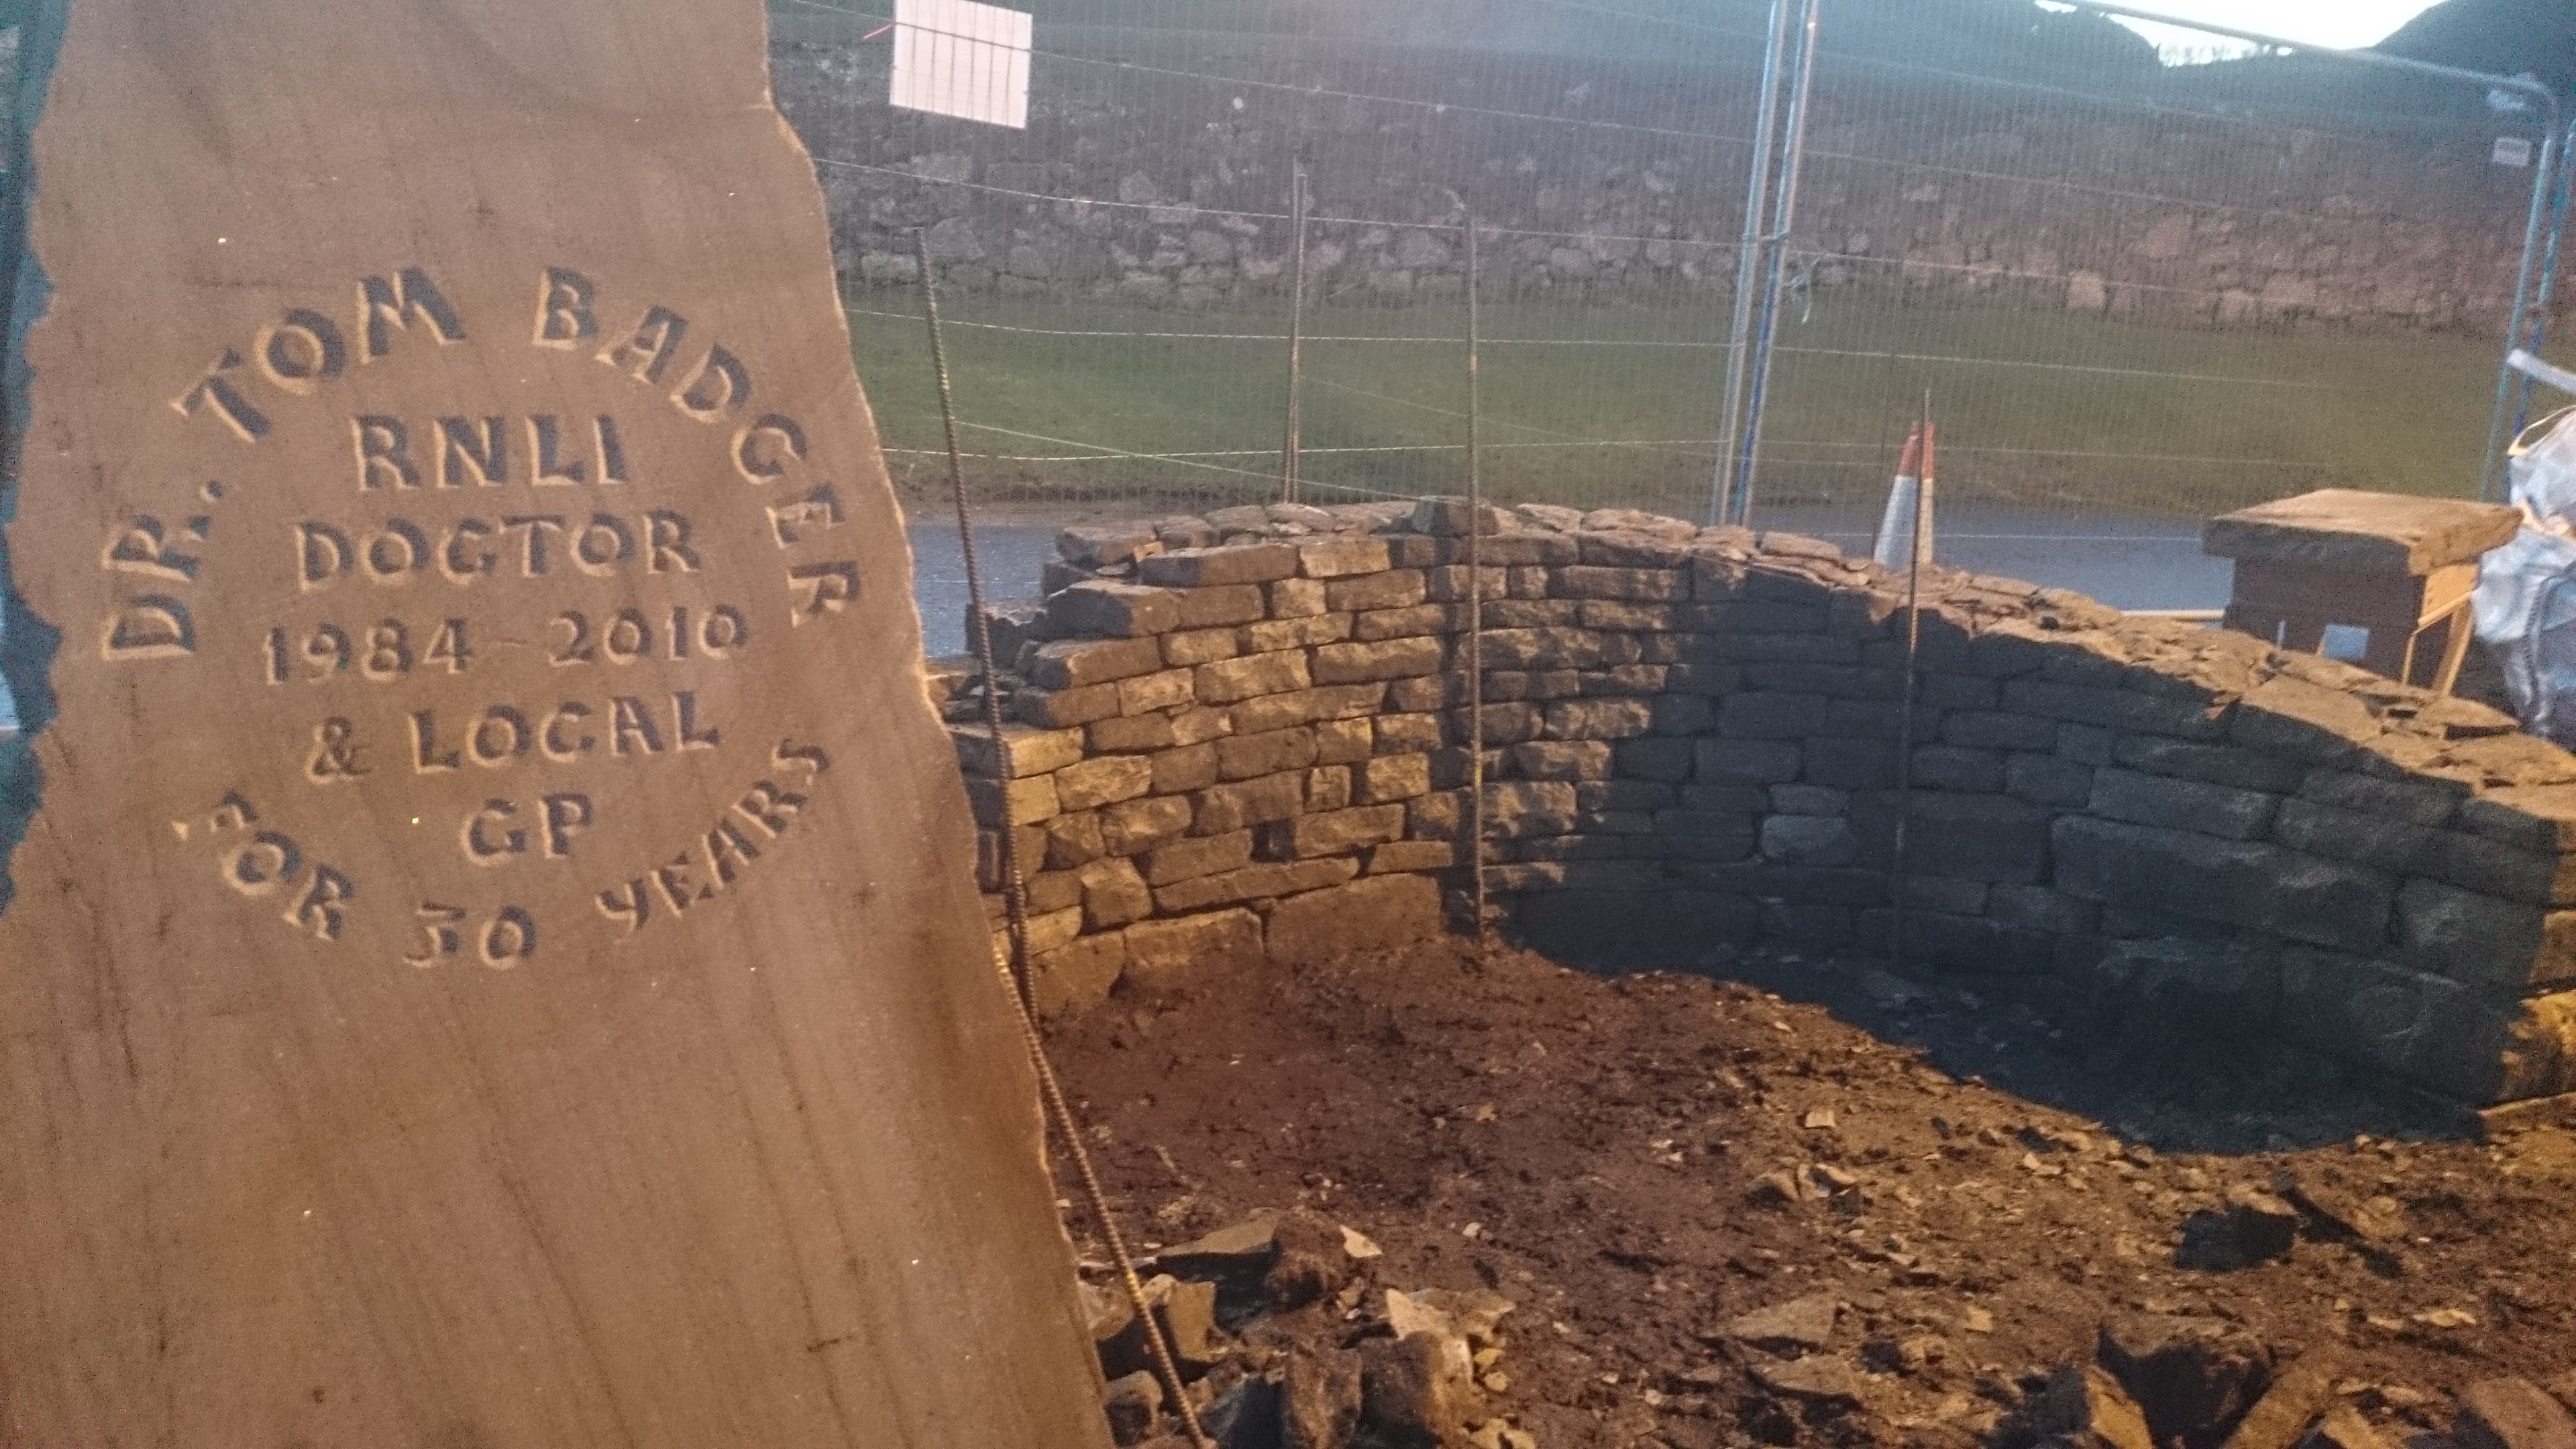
(1979,1174)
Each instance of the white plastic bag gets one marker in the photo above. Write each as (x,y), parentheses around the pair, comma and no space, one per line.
(2526,600)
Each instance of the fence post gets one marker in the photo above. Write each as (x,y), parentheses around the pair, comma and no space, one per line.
(1748,254)
(2513,393)
(1775,262)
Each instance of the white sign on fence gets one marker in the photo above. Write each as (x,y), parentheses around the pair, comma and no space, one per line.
(2512,151)
(958,58)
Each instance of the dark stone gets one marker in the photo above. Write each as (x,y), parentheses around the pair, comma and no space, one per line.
(2254,1227)
(2512,1414)
(1414,1391)
(1319,1400)
(2193,1377)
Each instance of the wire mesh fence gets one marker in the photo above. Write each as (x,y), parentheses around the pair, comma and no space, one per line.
(2137,293)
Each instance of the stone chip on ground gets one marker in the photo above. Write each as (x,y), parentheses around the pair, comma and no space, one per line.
(1414,1393)
(2081,1407)
(1801,1322)
(2512,1413)
(2193,1377)
(2297,1396)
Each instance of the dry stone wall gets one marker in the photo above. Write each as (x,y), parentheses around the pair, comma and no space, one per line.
(1248,731)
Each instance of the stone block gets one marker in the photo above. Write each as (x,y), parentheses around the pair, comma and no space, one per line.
(1455,517)
(1223,809)
(1683,714)
(1050,891)
(1165,956)
(1022,751)
(1019,802)
(1809,840)
(1076,977)
(1562,760)
(1392,659)
(2051,780)
(1344,741)
(2535,817)
(1031,841)
(1063,708)
(1412,855)
(2086,744)
(1105,545)
(1195,856)
(2228,765)
(2182,804)
(1586,581)
(1331,832)
(1518,809)
(1991,838)
(1273,635)
(1338,558)
(1436,816)
(1113,894)
(1242,757)
(1334,702)
(1197,726)
(1394,589)
(2304,721)
(1254,883)
(1950,767)
(2478,862)
(2038,908)
(2375,840)
(1533,612)
(1328,787)
(1167,689)
(1456,583)
(1748,762)
(1229,680)
(1132,826)
(1199,568)
(1838,681)
(1762,716)
(2117,709)
(1430,692)
(1655,759)
(2256,885)
(1598,719)
(1382,624)
(1188,767)
(1131,734)
(1074,663)
(1408,733)
(1218,607)
(1809,800)
(2508,947)
(1961,692)
(1950,897)
(2430,803)
(1073,840)
(1625,616)
(1409,551)
(1382,913)
(1295,598)
(1779,649)
(1852,764)
(1103,781)
(2460,1042)
(1118,610)
(1624,681)
(1390,778)
(1048,931)
(1623,795)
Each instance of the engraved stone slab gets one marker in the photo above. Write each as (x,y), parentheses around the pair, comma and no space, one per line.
(491,956)
(2384,533)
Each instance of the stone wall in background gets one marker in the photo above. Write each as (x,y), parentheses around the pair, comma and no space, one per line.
(2412,230)
(1247,731)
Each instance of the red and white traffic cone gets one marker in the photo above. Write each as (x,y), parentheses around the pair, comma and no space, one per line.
(1905,526)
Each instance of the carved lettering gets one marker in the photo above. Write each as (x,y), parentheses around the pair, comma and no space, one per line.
(612,452)
(684,723)
(384,306)
(144,547)
(216,391)
(426,757)
(479,447)
(319,912)
(459,559)
(563,747)
(301,352)
(667,540)
(817,510)
(396,552)
(322,553)
(630,729)
(721,385)
(335,753)
(566,318)
(821,589)
(763,450)
(729,851)
(533,531)
(646,353)
(488,838)
(500,736)
(510,939)
(769,807)
(630,904)
(603,543)
(154,626)
(545,443)
(384,453)
(267,862)
(566,816)
(439,935)
(678,891)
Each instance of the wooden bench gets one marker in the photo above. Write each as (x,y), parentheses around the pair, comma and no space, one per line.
(2400,568)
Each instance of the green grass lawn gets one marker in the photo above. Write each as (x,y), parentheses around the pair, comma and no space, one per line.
(1615,404)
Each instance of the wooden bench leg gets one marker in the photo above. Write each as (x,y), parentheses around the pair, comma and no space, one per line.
(2455,648)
